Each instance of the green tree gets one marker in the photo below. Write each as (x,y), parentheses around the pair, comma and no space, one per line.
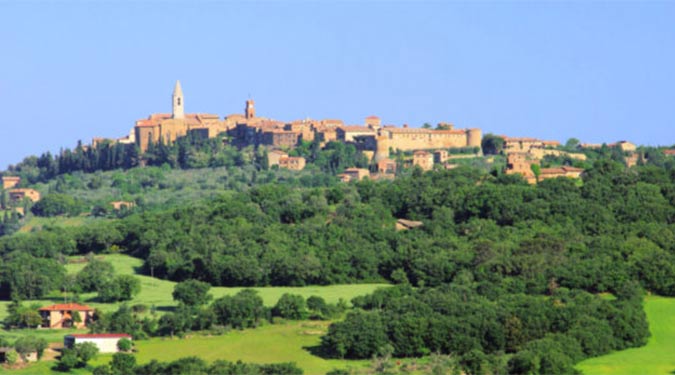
(123,364)
(291,306)
(243,310)
(86,351)
(124,344)
(68,360)
(492,144)
(192,292)
(56,204)
(94,274)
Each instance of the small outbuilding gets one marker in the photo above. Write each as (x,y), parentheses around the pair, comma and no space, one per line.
(106,342)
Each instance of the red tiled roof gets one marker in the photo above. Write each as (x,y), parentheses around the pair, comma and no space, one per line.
(669,152)
(67,307)
(373,118)
(99,335)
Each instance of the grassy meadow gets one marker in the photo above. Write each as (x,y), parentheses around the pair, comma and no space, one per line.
(158,292)
(285,342)
(271,343)
(657,357)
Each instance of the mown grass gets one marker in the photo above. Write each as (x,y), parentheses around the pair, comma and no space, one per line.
(158,292)
(285,342)
(657,357)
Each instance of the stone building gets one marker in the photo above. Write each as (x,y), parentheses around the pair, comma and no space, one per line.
(9,182)
(274,156)
(295,163)
(119,205)
(280,138)
(347,133)
(18,195)
(521,163)
(168,127)
(563,171)
(440,156)
(353,174)
(408,139)
(387,166)
(424,160)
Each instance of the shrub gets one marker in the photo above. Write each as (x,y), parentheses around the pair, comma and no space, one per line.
(124,345)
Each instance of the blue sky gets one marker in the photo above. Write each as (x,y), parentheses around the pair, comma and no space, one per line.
(600,71)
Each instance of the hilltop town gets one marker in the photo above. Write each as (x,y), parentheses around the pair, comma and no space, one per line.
(387,149)
(377,141)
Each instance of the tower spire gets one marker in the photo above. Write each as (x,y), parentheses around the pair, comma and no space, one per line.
(178,102)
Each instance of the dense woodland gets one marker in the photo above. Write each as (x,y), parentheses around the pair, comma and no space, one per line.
(504,275)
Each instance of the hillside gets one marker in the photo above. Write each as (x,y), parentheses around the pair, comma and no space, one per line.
(500,273)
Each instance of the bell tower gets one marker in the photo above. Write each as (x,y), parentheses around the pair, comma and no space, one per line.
(178,104)
(250,109)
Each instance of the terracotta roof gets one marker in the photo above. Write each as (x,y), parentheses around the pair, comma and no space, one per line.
(669,152)
(421,153)
(67,307)
(409,223)
(373,118)
(99,335)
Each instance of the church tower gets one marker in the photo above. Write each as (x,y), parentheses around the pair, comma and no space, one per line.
(178,104)
(250,109)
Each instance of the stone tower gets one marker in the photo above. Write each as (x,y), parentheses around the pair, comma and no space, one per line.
(178,102)
(250,109)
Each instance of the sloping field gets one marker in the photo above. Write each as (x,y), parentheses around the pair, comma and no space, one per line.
(158,292)
(657,357)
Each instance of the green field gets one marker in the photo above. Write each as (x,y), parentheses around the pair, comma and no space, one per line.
(286,342)
(657,357)
(267,344)
(158,292)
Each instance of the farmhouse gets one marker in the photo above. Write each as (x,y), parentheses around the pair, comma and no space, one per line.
(106,342)
(353,174)
(119,205)
(424,160)
(17,195)
(295,163)
(9,182)
(63,315)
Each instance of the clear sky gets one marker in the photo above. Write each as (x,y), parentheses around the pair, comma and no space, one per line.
(600,72)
